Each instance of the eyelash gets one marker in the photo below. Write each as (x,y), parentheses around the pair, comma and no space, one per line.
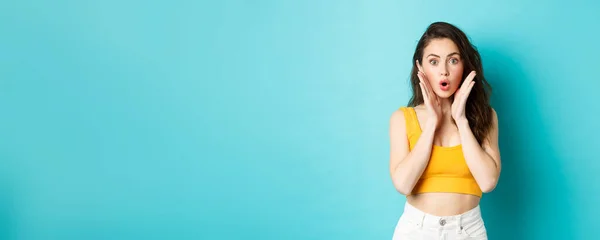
(431,61)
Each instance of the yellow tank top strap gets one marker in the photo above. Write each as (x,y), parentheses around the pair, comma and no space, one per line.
(412,122)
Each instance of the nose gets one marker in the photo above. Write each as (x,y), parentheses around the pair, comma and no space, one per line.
(444,70)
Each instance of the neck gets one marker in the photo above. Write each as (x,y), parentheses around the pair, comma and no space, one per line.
(446,104)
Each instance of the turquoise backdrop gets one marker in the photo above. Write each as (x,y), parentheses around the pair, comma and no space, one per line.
(269,119)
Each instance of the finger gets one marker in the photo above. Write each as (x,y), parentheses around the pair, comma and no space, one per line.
(463,88)
(423,92)
(468,92)
(468,79)
(469,89)
(420,76)
(432,94)
(425,97)
(433,98)
(423,80)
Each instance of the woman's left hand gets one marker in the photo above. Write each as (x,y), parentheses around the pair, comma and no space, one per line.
(460,98)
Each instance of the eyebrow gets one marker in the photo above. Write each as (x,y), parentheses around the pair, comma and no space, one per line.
(439,56)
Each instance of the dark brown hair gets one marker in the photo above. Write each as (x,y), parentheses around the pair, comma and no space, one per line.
(477,110)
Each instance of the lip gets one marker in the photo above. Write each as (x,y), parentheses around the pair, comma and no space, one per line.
(444,88)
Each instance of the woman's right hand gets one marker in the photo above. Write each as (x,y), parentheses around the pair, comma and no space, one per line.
(431,100)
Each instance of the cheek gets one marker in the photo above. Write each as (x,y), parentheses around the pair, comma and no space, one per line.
(430,73)
(456,74)
(432,79)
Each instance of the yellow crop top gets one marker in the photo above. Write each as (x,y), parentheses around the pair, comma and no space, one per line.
(447,170)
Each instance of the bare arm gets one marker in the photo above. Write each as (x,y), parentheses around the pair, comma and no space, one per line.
(483,161)
(407,166)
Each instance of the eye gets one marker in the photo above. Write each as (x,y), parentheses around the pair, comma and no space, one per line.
(454,61)
(433,62)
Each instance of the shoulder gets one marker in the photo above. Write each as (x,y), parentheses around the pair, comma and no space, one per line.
(493,126)
(397,125)
(397,118)
(398,114)
(494,117)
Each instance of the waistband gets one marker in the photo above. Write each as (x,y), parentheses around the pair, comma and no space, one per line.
(426,220)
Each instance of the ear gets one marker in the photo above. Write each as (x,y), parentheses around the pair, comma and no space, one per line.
(419,66)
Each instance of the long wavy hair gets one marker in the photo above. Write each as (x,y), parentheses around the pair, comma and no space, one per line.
(477,110)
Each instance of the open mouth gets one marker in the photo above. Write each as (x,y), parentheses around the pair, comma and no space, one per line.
(445,85)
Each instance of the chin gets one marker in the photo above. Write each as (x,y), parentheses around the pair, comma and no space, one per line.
(445,94)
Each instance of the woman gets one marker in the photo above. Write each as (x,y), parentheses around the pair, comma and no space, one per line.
(444,145)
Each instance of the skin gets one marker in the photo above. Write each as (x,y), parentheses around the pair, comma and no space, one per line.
(443,121)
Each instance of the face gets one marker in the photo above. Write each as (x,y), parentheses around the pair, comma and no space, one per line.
(443,66)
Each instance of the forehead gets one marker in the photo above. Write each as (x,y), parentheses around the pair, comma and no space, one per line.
(440,47)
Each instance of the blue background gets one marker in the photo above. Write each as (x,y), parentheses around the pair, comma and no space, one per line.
(269,119)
